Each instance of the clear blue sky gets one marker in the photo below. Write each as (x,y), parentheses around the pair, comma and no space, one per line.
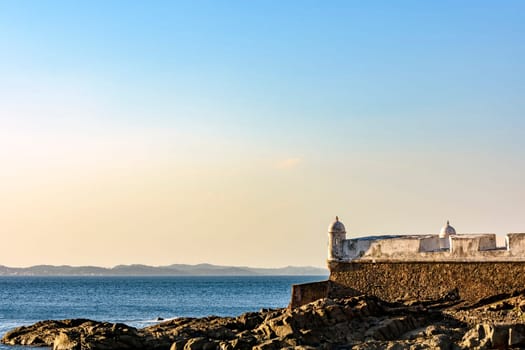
(395,96)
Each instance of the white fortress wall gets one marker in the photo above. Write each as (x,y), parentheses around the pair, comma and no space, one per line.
(427,247)
(516,243)
(401,246)
(470,244)
(445,246)
(355,248)
(389,246)
(429,243)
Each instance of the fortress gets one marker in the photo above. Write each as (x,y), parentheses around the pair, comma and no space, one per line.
(422,267)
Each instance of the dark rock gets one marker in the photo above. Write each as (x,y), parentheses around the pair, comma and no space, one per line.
(521,305)
(352,323)
(517,335)
(196,344)
(179,344)
(66,342)
(500,306)
(250,320)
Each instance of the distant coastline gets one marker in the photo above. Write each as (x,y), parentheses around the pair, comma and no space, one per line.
(169,270)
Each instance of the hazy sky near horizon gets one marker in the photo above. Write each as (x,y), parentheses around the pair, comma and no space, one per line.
(232,132)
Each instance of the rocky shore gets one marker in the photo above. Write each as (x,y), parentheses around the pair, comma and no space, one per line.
(353,323)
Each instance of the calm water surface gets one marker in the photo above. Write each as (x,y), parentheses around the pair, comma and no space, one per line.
(137,301)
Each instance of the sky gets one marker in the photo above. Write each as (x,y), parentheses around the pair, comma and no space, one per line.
(233,132)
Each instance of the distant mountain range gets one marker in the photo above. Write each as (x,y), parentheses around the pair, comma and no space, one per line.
(170,270)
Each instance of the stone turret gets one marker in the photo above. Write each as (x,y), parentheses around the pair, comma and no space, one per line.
(336,236)
(444,234)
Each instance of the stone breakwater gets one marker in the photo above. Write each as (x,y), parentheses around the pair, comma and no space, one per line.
(361,322)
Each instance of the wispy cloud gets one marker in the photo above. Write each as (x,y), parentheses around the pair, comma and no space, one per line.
(288,163)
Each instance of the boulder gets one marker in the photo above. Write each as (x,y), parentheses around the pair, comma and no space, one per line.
(517,335)
(487,336)
(66,342)
(361,322)
(200,344)
(179,344)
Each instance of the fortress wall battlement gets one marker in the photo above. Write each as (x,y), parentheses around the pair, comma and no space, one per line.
(462,247)
(515,243)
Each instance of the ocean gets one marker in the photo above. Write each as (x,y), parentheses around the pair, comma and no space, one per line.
(138,301)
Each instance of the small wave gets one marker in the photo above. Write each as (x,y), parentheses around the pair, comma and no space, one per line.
(139,323)
(160,319)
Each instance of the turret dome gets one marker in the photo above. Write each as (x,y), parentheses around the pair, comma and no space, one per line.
(447,230)
(336,226)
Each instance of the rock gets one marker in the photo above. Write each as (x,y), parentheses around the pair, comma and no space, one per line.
(212,345)
(521,305)
(391,328)
(517,335)
(485,336)
(498,335)
(179,344)
(221,333)
(281,326)
(395,346)
(196,344)
(361,322)
(43,333)
(241,344)
(64,342)
(475,338)
(250,320)
(336,313)
(500,306)
(441,341)
(272,344)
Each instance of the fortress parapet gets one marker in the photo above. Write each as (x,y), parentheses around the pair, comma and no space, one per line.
(429,247)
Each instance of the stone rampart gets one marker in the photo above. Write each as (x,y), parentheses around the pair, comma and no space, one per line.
(307,292)
(393,281)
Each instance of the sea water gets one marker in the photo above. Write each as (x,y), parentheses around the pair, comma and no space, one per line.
(138,301)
